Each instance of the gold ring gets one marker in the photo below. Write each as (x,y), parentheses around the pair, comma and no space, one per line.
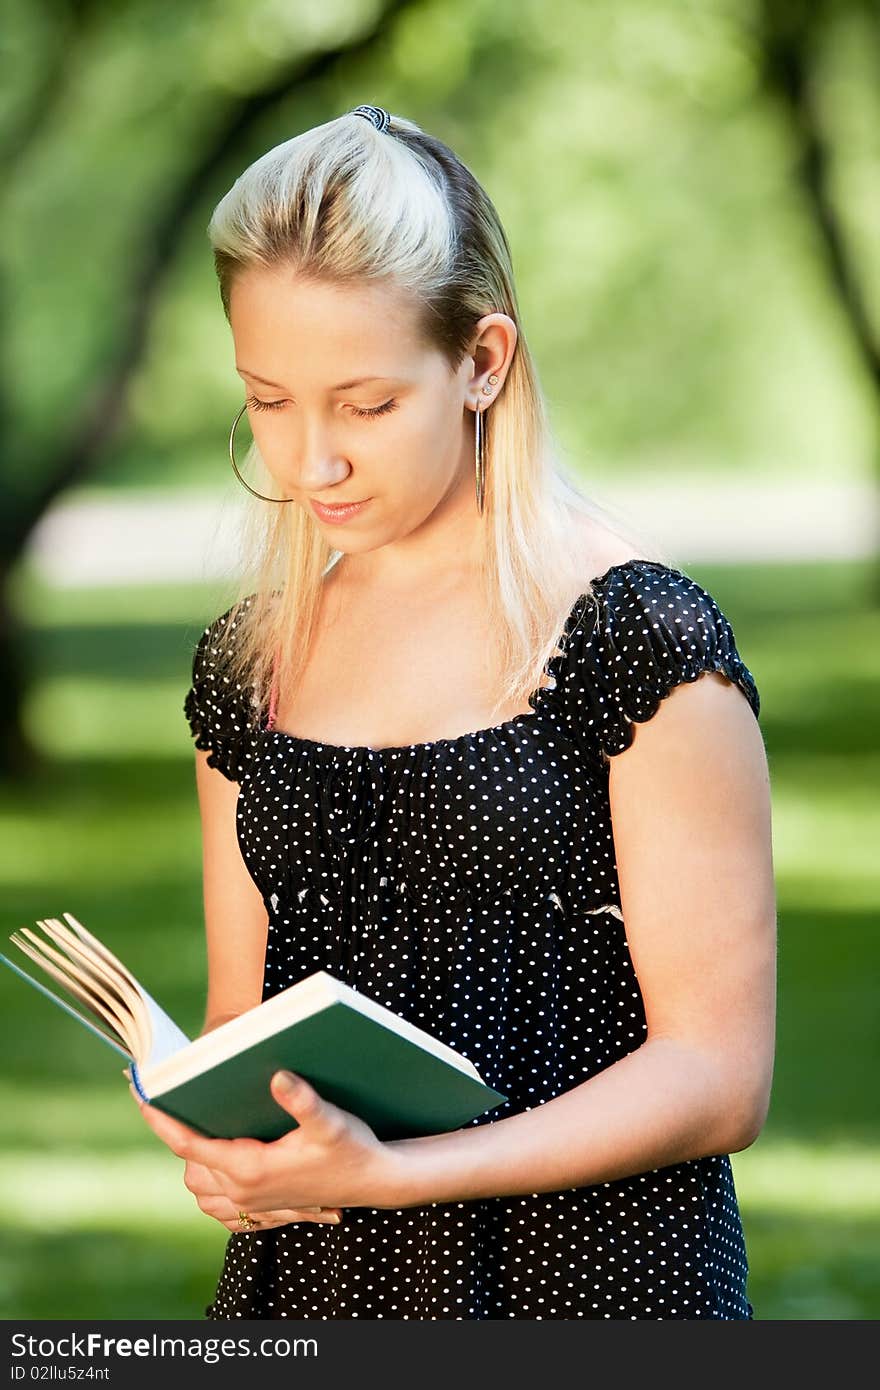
(247,1223)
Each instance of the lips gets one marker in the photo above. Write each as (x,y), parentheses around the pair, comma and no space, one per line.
(338,513)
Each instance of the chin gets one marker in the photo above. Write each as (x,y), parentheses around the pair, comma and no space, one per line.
(350,545)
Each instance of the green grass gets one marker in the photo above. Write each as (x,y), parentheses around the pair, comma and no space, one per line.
(108,830)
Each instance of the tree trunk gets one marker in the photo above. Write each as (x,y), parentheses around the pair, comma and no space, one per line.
(19,757)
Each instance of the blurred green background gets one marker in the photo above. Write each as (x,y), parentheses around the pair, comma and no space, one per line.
(690,192)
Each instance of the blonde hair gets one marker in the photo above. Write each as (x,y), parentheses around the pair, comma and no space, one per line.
(344,203)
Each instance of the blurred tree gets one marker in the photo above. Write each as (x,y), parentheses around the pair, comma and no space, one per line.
(70,454)
(18,515)
(794,38)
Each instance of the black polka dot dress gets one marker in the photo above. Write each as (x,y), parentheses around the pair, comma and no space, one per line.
(470,885)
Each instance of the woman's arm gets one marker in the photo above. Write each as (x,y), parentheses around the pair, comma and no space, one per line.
(236,921)
(691,815)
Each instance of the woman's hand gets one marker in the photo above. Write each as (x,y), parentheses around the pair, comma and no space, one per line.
(211,1199)
(331,1160)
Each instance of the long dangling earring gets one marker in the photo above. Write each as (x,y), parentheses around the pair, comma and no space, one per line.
(479,447)
(235,465)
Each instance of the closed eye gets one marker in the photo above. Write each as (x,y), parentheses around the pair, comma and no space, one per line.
(356,410)
(377,410)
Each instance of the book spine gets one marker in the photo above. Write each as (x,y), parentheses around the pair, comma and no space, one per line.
(136,1082)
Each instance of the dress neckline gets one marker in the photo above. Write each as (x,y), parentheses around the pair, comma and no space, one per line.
(536,699)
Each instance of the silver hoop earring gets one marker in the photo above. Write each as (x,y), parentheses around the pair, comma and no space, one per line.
(235,465)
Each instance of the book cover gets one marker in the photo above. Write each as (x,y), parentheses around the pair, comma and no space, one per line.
(358,1054)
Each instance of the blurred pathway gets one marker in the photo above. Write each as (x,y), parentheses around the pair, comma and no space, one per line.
(193,537)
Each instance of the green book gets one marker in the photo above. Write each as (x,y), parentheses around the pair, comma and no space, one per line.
(357,1054)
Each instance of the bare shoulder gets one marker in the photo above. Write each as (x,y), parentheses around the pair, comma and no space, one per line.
(601,548)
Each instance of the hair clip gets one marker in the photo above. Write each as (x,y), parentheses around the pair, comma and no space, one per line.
(376,114)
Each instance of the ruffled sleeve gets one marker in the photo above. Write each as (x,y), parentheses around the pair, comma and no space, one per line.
(647,629)
(222,717)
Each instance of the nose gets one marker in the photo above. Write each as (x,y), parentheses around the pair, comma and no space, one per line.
(317,464)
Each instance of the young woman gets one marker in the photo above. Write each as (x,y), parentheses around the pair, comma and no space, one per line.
(463,748)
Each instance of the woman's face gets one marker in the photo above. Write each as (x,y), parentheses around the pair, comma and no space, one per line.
(346,402)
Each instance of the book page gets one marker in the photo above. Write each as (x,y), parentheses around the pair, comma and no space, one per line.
(83,956)
(158,1036)
(79,951)
(165,1036)
(103,951)
(68,1009)
(71,986)
(104,1000)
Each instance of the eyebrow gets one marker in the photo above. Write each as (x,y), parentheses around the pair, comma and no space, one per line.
(343,385)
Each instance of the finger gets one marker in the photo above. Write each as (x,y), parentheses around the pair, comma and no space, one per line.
(326,1216)
(317,1214)
(300,1099)
(227,1213)
(185,1142)
(264,1221)
(201,1180)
